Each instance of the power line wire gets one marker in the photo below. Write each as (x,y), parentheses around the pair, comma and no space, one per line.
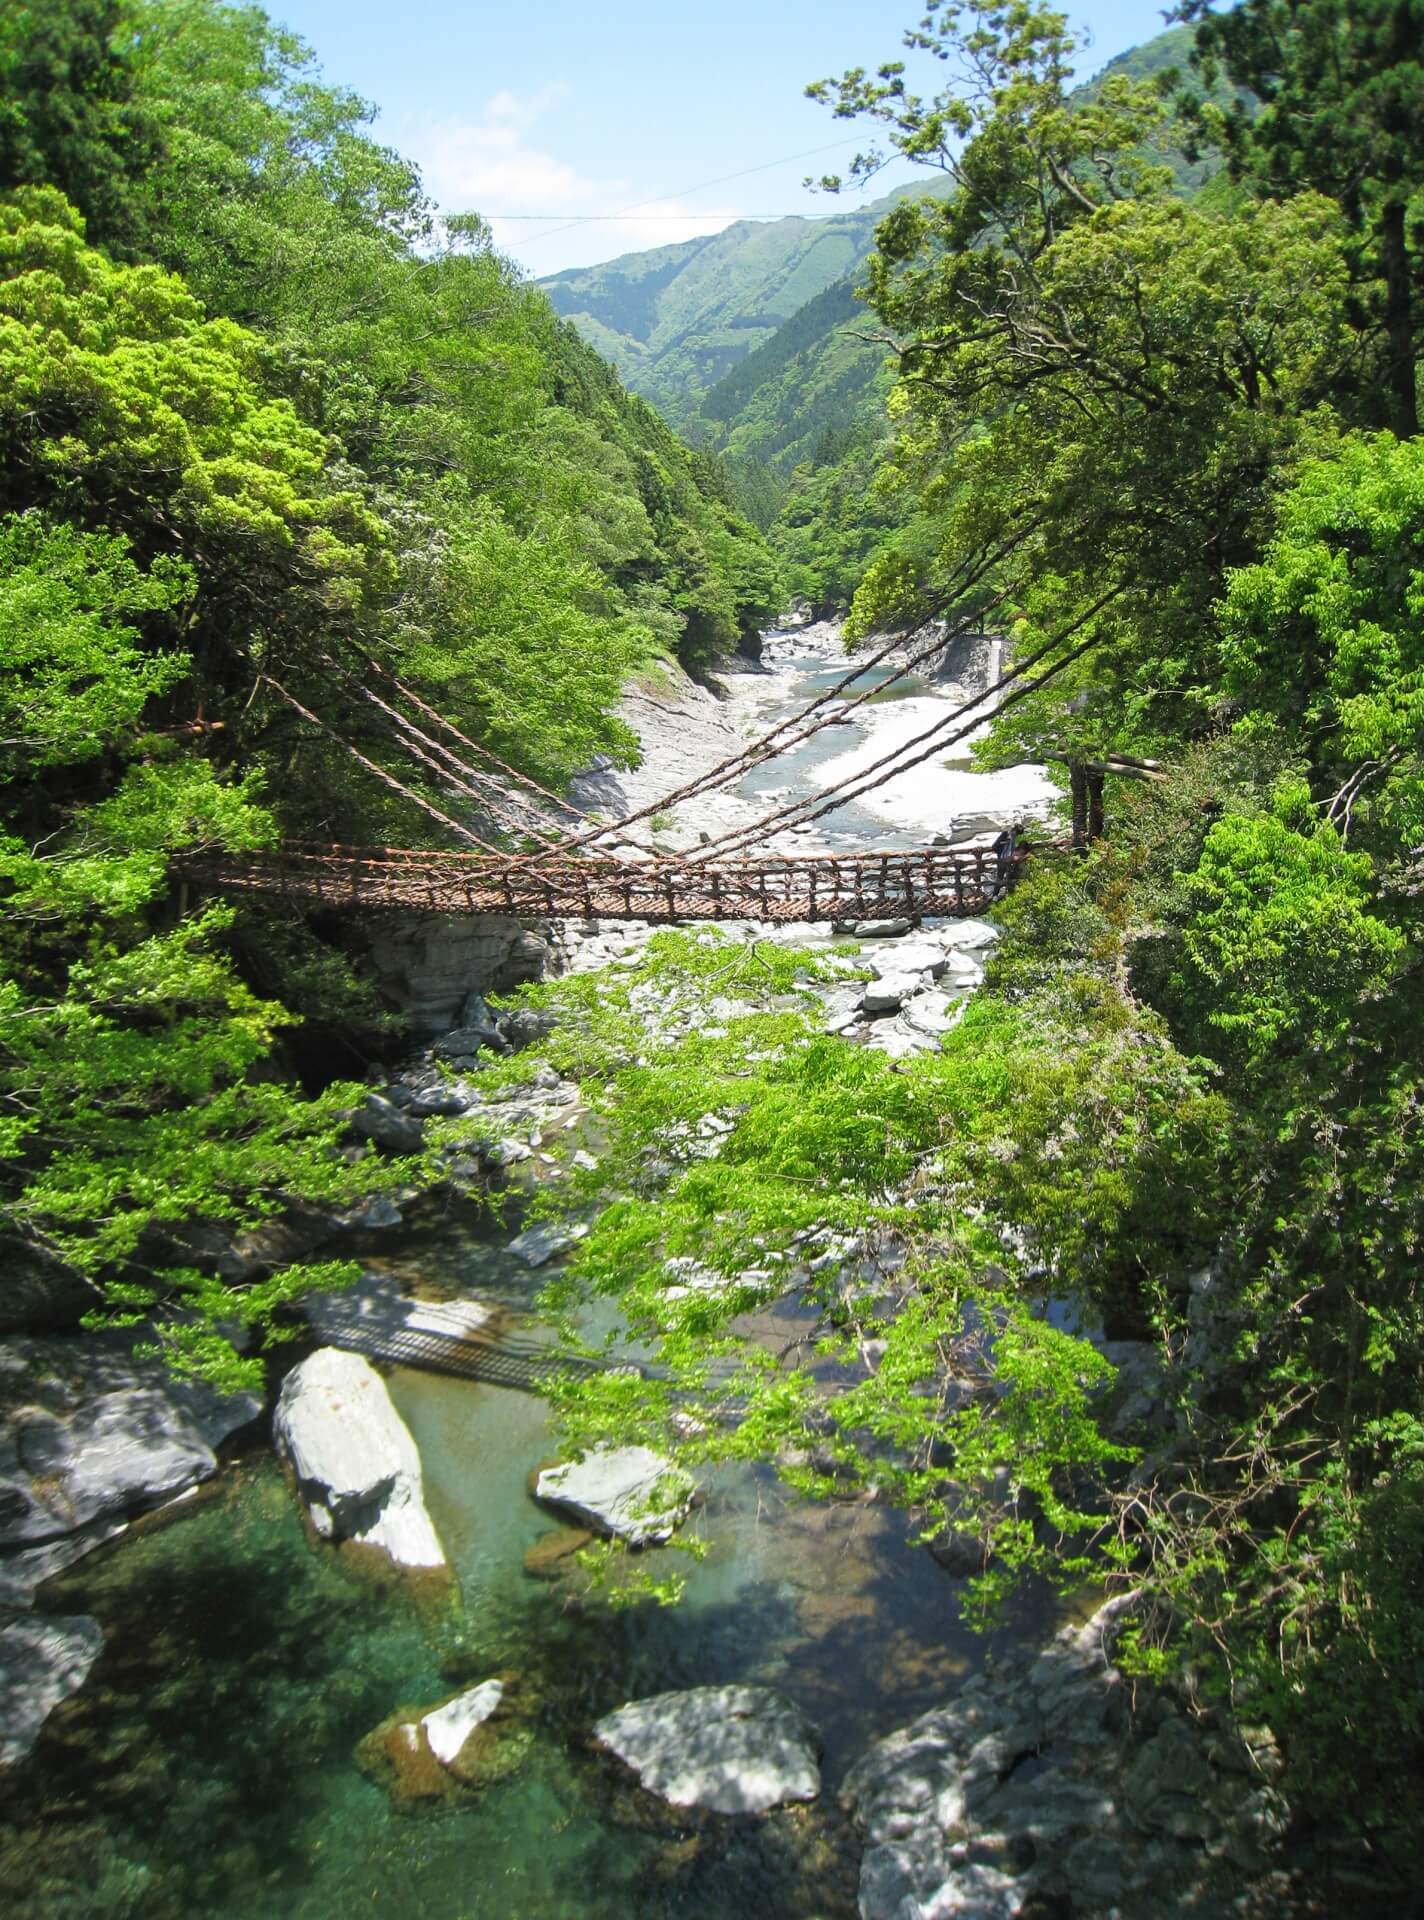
(701,187)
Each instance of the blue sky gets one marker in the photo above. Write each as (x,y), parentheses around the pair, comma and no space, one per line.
(571,109)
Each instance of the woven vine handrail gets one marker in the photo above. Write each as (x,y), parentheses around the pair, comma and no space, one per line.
(941,881)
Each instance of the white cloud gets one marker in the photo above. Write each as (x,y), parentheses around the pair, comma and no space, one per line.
(490,166)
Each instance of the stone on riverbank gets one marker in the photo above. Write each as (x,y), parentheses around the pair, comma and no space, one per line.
(628,1493)
(42,1661)
(885,994)
(969,936)
(89,1432)
(908,956)
(1029,1787)
(724,1749)
(543,1242)
(382,1123)
(877,929)
(356,1466)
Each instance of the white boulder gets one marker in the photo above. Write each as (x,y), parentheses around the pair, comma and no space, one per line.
(356,1466)
(963,971)
(885,994)
(909,956)
(899,1042)
(627,1493)
(726,1749)
(447,1728)
(931,1013)
(967,935)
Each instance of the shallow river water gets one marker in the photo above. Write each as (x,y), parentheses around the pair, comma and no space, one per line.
(207,1767)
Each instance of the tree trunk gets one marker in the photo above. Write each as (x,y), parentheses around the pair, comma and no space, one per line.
(1399,322)
(1078,797)
(1095,806)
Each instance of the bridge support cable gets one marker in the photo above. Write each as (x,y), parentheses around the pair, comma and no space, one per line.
(892,764)
(487,792)
(781,738)
(386,779)
(559,801)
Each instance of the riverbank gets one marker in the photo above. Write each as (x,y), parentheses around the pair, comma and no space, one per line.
(687,729)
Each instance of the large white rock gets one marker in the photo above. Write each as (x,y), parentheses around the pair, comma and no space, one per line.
(727,1749)
(908,956)
(931,1013)
(42,1661)
(963,973)
(630,1493)
(968,935)
(449,1727)
(885,994)
(356,1465)
(899,1042)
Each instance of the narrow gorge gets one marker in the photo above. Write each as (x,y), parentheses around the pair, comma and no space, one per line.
(711,1124)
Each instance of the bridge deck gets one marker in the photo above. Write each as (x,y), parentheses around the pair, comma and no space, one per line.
(946,881)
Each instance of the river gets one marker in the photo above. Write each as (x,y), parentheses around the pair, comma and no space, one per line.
(207,1768)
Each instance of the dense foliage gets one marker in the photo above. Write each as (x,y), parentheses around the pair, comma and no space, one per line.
(1186,1105)
(261,415)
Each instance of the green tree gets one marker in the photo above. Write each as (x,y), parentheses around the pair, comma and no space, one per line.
(1322,638)
(69,112)
(1340,89)
(137,1101)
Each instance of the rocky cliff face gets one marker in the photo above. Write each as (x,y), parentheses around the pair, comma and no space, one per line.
(427,965)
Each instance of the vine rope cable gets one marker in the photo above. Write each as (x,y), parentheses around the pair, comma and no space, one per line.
(814,808)
(388,779)
(769,745)
(483,788)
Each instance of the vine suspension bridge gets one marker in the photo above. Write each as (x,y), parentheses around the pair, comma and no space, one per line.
(566,864)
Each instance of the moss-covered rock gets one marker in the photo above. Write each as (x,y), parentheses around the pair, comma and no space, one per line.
(424,1755)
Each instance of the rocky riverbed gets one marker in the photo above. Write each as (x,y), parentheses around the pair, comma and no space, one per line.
(814,1733)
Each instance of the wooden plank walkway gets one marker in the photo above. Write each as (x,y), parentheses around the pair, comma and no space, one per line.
(942,881)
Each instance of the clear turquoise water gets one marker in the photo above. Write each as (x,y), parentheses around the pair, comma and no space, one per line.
(207,1768)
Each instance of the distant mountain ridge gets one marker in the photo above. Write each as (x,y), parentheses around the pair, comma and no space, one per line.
(674,321)
(706,329)
(753,344)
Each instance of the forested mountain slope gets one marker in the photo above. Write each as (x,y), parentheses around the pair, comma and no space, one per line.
(680,322)
(676,319)
(795,399)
